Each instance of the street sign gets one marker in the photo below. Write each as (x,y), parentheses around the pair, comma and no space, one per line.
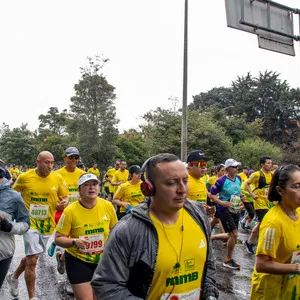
(270,21)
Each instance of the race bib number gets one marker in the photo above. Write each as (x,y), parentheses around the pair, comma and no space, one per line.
(193,295)
(235,200)
(95,244)
(266,192)
(73,197)
(295,260)
(39,212)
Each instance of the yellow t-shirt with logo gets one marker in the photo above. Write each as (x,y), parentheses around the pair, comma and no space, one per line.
(71,179)
(197,189)
(94,171)
(120,176)
(130,193)
(40,197)
(110,174)
(92,224)
(180,259)
(262,201)
(279,238)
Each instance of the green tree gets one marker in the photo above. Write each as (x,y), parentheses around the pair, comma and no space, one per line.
(250,150)
(54,121)
(94,122)
(18,146)
(132,147)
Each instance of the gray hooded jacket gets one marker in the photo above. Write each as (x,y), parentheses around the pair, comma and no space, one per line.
(127,266)
(12,207)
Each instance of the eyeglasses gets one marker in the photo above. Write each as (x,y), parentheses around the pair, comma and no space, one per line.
(73,157)
(200,164)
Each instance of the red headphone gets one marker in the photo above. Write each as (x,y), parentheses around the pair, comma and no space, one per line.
(147,187)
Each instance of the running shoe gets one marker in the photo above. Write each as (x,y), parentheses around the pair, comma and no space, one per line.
(60,263)
(51,249)
(231,265)
(13,286)
(249,247)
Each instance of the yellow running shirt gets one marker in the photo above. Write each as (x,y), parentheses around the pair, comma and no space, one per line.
(197,189)
(110,174)
(180,259)
(279,238)
(94,171)
(71,179)
(40,197)
(93,224)
(130,193)
(243,176)
(120,176)
(262,201)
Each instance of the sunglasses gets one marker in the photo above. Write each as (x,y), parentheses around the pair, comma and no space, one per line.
(73,157)
(200,164)
(235,167)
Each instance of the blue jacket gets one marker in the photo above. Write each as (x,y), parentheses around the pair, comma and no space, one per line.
(12,207)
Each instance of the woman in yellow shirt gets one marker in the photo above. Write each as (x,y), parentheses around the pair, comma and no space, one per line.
(277,269)
(129,194)
(83,230)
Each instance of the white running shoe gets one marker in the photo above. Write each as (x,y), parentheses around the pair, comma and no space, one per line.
(13,285)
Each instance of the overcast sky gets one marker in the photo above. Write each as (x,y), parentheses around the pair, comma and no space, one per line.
(44,44)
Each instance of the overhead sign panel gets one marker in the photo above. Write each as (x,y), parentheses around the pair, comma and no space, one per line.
(272,23)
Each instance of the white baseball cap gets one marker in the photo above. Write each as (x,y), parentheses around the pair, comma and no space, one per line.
(231,163)
(87,177)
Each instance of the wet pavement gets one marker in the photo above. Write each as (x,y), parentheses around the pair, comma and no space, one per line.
(232,284)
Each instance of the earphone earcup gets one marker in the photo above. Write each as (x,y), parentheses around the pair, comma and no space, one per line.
(147,188)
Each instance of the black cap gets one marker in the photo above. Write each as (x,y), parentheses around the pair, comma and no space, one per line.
(246,167)
(134,169)
(196,155)
(71,151)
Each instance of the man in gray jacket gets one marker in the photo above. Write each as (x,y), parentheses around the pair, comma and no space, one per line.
(162,249)
(12,208)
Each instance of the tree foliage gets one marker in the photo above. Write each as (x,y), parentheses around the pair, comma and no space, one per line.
(18,145)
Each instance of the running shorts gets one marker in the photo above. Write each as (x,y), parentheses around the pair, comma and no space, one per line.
(78,271)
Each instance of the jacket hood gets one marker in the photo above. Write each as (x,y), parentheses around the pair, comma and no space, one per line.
(5,184)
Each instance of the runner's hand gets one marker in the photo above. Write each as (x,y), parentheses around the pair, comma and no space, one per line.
(5,225)
(226,204)
(80,243)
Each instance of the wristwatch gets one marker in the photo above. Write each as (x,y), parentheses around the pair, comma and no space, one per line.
(74,243)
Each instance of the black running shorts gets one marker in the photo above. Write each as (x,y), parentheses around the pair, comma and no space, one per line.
(230,221)
(78,270)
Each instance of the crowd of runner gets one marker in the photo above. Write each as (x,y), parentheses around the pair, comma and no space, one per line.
(146,232)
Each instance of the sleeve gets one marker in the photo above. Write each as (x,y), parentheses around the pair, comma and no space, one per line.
(254,178)
(216,189)
(112,274)
(21,217)
(65,222)
(18,185)
(113,216)
(120,192)
(269,239)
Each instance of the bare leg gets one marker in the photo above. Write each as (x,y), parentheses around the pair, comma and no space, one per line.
(231,243)
(31,261)
(21,268)
(254,233)
(83,291)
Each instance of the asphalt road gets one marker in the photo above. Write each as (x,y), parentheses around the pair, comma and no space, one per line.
(232,284)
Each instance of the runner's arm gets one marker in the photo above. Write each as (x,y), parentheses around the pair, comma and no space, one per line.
(266,264)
